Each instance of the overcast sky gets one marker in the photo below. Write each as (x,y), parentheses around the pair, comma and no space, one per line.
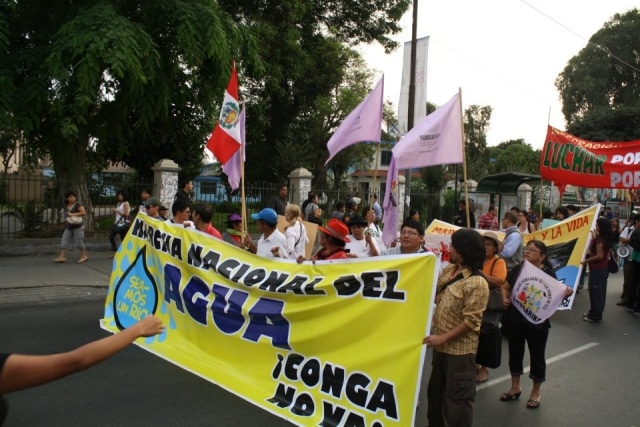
(505,54)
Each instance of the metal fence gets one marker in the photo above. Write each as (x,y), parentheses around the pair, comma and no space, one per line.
(30,205)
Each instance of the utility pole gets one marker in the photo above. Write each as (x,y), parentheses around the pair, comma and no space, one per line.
(412,95)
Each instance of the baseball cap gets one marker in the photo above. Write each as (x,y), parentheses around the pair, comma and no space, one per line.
(267,215)
(153,201)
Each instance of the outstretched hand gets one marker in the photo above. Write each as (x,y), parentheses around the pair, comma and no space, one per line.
(149,326)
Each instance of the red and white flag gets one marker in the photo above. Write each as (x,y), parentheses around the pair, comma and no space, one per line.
(364,123)
(233,168)
(225,139)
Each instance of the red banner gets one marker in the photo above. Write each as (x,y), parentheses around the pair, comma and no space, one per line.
(567,159)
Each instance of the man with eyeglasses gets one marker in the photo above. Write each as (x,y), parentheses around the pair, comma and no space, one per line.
(512,244)
(152,208)
(411,239)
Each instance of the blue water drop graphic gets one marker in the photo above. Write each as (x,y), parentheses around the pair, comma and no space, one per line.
(136,293)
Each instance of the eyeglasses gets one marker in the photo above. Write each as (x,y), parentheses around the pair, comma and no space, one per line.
(409,233)
(535,251)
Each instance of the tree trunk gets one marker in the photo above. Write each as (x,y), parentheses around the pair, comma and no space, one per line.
(70,163)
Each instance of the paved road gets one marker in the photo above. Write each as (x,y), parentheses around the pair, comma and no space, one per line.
(592,368)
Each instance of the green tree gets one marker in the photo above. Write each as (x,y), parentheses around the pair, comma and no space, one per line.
(306,65)
(130,81)
(600,86)
(476,124)
(502,157)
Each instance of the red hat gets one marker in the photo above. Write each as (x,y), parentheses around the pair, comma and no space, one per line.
(336,228)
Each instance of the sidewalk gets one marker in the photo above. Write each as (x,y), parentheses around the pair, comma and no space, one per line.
(40,271)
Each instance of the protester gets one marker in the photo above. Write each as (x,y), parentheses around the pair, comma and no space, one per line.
(153,206)
(377,210)
(162,213)
(339,212)
(633,303)
(202,216)
(144,195)
(562,213)
(361,244)
(414,215)
(271,237)
(311,210)
(333,239)
(411,239)
(489,221)
(73,227)
(615,239)
(184,193)
(295,235)
(524,226)
(461,217)
(495,272)
(19,371)
(598,261)
(521,330)
(181,210)
(462,295)
(279,202)
(234,233)
(627,266)
(352,209)
(512,243)
(122,223)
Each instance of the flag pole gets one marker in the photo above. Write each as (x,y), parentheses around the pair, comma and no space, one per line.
(242,196)
(464,162)
(375,177)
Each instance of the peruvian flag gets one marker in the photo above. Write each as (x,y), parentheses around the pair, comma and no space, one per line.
(225,139)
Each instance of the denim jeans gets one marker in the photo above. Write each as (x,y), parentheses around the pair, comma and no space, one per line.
(598,291)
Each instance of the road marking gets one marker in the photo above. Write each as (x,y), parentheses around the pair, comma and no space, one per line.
(549,361)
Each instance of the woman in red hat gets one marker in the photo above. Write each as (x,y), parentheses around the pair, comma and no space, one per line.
(333,238)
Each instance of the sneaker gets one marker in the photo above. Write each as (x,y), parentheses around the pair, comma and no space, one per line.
(622,302)
(637,313)
(630,309)
(589,319)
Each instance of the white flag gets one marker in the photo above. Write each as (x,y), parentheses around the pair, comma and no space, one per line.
(436,140)
(364,123)
(536,294)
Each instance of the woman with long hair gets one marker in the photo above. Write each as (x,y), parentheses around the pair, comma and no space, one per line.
(122,222)
(295,234)
(521,330)
(598,261)
(73,227)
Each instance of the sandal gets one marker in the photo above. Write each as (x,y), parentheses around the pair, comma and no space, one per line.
(81,260)
(505,397)
(533,404)
(60,260)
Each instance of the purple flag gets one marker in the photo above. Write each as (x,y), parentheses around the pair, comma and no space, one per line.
(362,124)
(390,205)
(436,140)
(233,167)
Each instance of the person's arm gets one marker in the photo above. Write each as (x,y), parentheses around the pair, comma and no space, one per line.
(81,212)
(127,208)
(373,246)
(511,245)
(25,371)
(598,255)
(436,340)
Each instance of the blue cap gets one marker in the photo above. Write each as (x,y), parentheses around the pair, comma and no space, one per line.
(267,215)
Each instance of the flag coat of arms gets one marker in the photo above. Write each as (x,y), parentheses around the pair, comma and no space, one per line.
(225,139)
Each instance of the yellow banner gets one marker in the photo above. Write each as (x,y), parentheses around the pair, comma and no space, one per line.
(335,343)
(566,241)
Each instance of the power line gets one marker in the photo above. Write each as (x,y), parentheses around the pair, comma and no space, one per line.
(596,45)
